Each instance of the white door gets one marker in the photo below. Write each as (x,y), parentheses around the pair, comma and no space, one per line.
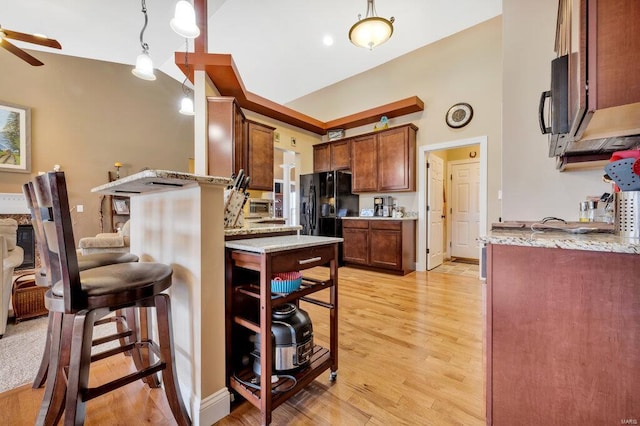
(435,213)
(465,208)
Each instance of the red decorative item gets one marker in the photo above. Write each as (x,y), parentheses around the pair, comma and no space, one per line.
(636,167)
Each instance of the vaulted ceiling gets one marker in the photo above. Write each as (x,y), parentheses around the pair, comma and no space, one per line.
(277,45)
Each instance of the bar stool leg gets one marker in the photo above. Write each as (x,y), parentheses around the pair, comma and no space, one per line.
(80,362)
(54,394)
(169,374)
(41,376)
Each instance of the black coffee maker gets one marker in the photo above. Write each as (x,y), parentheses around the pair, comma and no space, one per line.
(378,206)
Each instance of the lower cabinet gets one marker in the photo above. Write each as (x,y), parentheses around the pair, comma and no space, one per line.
(562,336)
(380,244)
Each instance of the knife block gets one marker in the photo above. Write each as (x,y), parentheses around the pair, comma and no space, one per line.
(233,213)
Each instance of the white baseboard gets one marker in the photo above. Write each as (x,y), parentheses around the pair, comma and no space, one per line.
(209,410)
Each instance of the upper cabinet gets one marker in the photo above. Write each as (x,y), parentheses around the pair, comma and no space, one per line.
(602,41)
(259,150)
(364,155)
(384,161)
(237,143)
(225,132)
(332,156)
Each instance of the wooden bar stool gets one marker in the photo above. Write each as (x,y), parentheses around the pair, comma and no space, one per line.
(125,323)
(83,298)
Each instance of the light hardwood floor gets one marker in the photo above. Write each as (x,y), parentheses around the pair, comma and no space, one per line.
(410,353)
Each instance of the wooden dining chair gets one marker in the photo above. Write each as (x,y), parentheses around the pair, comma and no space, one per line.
(125,321)
(81,298)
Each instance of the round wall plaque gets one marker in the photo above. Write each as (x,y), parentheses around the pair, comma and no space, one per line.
(459,115)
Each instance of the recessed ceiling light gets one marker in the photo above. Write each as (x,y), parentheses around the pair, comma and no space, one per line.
(327,40)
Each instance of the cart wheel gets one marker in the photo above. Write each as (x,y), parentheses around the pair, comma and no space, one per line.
(333,376)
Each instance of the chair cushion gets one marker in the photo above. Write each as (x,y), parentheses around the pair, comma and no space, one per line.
(96,260)
(121,277)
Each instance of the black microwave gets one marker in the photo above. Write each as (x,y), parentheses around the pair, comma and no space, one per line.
(557,125)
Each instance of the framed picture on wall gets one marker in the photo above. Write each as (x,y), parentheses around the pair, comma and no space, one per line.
(15,138)
(121,205)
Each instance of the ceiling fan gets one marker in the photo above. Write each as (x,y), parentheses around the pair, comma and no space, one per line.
(29,38)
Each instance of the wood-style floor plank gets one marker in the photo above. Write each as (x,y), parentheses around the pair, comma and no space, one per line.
(411,352)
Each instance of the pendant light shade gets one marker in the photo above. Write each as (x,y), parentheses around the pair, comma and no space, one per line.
(371,31)
(184,20)
(144,67)
(144,64)
(186,106)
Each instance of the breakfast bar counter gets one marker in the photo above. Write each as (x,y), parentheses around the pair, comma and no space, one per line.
(177,219)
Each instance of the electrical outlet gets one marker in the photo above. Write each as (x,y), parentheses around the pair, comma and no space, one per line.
(499,194)
(79,208)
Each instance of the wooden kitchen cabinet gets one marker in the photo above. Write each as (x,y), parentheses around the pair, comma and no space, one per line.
(381,244)
(602,41)
(364,155)
(385,247)
(259,149)
(321,158)
(332,156)
(385,161)
(355,247)
(226,124)
(563,336)
(397,159)
(236,143)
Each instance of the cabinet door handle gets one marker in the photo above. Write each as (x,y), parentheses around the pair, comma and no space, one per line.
(311,260)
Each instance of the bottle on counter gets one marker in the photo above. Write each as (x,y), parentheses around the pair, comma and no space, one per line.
(584,211)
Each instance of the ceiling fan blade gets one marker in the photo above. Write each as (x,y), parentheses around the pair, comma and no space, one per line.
(20,53)
(30,38)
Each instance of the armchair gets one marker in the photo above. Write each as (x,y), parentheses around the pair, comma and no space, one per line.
(112,242)
(11,256)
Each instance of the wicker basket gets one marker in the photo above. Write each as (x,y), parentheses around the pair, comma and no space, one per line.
(28,298)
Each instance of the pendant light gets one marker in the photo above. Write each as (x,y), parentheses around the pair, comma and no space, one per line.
(186,104)
(144,64)
(371,31)
(184,20)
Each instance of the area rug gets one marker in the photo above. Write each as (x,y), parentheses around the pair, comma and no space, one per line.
(21,349)
(22,346)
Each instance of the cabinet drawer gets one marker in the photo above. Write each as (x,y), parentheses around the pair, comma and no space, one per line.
(356,223)
(393,225)
(302,259)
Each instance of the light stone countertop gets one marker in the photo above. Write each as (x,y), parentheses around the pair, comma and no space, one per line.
(260,228)
(155,181)
(276,244)
(378,218)
(604,242)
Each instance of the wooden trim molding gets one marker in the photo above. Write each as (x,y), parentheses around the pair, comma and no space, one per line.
(223,73)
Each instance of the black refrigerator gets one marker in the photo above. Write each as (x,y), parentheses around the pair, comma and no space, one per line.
(324,199)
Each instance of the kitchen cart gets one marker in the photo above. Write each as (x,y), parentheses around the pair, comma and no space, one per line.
(250,264)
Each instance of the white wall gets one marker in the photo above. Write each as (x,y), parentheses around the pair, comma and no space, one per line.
(465,67)
(532,187)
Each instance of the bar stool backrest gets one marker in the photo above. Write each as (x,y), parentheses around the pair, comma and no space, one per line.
(59,244)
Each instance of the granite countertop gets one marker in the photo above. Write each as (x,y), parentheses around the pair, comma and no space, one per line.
(379,218)
(276,244)
(598,241)
(260,228)
(155,181)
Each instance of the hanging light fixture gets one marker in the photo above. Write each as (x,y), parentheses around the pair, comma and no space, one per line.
(184,20)
(186,105)
(144,64)
(371,31)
